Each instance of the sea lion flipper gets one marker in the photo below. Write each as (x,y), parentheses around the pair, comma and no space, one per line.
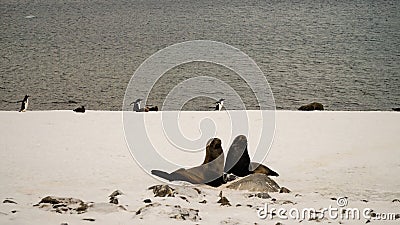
(260,168)
(162,174)
(178,175)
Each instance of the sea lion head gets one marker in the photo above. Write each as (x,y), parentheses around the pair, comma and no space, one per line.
(213,150)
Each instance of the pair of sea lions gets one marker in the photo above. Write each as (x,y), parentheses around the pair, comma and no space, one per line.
(213,171)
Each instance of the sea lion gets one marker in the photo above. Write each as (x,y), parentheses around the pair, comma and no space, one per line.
(80,109)
(154,108)
(238,160)
(210,172)
(311,107)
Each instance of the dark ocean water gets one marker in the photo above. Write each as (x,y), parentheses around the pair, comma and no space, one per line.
(344,54)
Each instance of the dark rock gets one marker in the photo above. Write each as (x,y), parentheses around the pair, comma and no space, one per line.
(50,200)
(364,200)
(147,201)
(288,202)
(396,200)
(14,211)
(144,208)
(60,205)
(396,109)
(63,205)
(260,195)
(185,214)
(184,198)
(203,202)
(315,219)
(223,200)
(82,208)
(284,190)
(175,212)
(64,224)
(89,219)
(162,191)
(311,107)
(122,207)
(114,200)
(9,201)
(198,190)
(238,205)
(113,197)
(115,193)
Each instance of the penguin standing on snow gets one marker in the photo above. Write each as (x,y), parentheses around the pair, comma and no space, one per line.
(24,105)
(219,104)
(136,105)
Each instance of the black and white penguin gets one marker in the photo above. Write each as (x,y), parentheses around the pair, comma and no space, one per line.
(24,105)
(136,105)
(80,109)
(219,104)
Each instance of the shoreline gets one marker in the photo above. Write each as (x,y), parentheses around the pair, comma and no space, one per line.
(278,110)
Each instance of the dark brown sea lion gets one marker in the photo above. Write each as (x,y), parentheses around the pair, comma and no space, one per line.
(209,172)
(238,160)
(80,109)
(311,107)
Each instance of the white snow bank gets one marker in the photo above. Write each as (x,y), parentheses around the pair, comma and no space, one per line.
(319,155)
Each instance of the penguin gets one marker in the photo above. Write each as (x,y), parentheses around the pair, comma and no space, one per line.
(136,105)
(24,105)
(219,104)
(80,109)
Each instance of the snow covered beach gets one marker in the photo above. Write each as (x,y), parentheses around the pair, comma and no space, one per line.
(320,156)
